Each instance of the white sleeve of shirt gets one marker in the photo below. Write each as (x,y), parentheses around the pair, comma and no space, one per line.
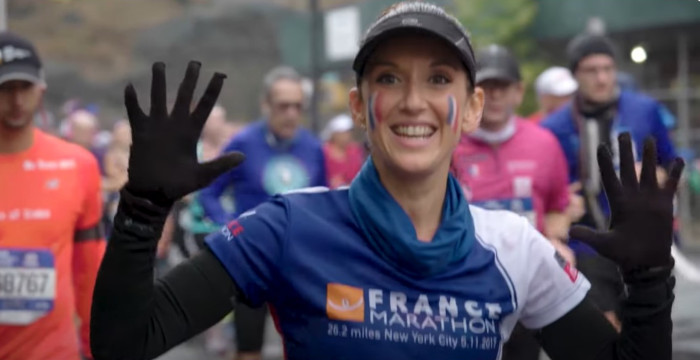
(546,287)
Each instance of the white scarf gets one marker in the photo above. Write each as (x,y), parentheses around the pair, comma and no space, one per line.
(495,137)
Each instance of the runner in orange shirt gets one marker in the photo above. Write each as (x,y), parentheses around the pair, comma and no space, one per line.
(51,244)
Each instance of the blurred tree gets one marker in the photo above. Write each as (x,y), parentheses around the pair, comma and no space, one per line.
(507,23)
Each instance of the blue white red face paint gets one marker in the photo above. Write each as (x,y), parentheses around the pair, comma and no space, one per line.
(452,112)
(375,115)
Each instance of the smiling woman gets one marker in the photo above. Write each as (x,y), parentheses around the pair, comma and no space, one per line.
(398,265)
(416,88)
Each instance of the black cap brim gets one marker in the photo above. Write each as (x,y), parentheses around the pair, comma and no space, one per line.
(9,72)
(416,23)
(495,74)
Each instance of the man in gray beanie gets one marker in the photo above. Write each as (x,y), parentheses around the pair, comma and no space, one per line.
(588,44)
(597,114)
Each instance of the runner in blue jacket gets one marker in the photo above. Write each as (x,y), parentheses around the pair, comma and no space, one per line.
(600,112)
(282,156)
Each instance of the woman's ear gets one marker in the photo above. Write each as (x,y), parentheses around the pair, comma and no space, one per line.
(357,108)
(471,116)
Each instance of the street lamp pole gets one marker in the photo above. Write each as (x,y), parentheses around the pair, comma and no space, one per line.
(3,15)
(315,65)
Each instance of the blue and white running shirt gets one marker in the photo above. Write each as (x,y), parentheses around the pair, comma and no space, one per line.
(333,297)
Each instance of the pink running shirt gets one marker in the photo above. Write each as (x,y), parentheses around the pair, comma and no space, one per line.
(341,172)
(526,174)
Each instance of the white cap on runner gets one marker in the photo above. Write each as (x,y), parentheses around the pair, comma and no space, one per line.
(340,123)
(556,81)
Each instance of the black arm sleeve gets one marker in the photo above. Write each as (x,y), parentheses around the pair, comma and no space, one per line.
(585,334)
(134,317)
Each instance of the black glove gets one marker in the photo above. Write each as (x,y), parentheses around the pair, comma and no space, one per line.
(641,224)
(163,164)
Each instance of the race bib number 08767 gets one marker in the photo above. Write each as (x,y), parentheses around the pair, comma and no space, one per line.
(27,285)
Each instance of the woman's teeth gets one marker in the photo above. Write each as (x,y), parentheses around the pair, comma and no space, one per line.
(413,131)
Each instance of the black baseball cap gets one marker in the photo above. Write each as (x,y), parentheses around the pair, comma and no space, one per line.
(416,17)
(18,59)
(495,62)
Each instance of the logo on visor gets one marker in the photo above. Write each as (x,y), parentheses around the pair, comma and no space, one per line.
(410,21)
(345,303)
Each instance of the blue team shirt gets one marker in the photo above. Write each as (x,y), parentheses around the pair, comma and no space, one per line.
(269,169)
(335,298)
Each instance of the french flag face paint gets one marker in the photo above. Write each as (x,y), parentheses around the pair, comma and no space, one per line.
(452,113)
(375,115)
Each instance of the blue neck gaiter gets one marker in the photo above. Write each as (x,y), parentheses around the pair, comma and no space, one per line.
(390,232)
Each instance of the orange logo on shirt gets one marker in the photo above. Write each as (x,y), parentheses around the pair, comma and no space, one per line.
(345,303)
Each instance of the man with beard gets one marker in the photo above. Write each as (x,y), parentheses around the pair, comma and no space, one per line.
(51,242)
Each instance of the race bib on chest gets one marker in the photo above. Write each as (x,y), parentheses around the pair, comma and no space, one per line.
(521,206)
(27,285)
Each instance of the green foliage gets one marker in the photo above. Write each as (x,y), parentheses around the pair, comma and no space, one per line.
(507,23)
